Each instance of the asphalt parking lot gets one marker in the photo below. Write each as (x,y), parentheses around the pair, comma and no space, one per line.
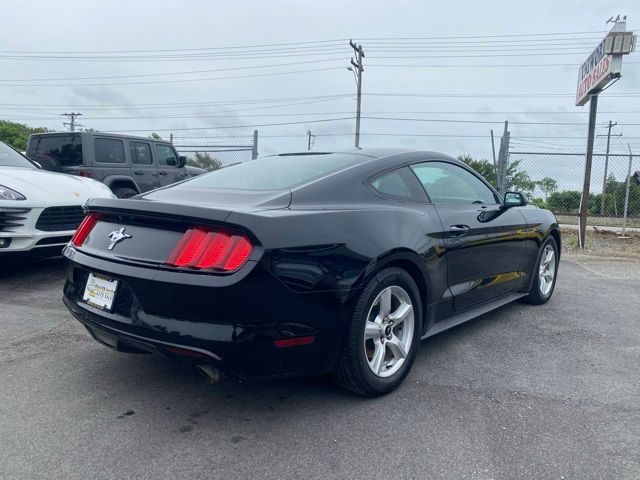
(524,392)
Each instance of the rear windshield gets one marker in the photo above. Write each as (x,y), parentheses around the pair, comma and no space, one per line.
(66,150)
(274,173)
(10,158)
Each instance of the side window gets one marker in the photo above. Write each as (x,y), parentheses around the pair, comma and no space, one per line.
(140,153)
(447,183)
(65,149)
(109,150)
(166,155)
(398,184)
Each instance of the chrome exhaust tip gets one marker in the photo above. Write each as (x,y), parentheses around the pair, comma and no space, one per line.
(209,372)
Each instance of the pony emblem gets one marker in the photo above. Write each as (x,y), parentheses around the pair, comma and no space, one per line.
(117,236)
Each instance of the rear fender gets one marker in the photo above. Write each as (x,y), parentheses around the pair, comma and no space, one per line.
(413,263)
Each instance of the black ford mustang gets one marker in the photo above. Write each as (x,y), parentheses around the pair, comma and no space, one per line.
(308,263)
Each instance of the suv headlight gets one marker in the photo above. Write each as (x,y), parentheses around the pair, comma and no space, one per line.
(7,194)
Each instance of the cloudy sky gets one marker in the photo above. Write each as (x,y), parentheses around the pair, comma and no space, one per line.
(201,68)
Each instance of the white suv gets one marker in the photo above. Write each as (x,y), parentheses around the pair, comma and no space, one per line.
(40,210)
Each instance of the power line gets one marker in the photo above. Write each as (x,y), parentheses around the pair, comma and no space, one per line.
(168,73)
(172,81)
(293,114)
(440,120)
(235,126)
(491,95)
(537,34)
(187,104)
(494,65)
(338,41)
(323,98)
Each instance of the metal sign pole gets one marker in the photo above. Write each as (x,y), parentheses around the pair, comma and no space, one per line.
(602,66)
(584,200)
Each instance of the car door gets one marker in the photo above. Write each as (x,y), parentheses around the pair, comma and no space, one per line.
(484,242)
(169,168)
(143,167)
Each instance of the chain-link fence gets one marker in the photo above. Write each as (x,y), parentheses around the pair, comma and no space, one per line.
(215,151)
(555,180)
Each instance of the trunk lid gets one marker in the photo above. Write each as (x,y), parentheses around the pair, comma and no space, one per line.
(146,231)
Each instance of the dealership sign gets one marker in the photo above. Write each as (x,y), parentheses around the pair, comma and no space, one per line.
(597,70)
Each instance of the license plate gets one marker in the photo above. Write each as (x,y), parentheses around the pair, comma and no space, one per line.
(100,291)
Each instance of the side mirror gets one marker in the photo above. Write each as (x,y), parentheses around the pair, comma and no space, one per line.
(515,199)
(182,161)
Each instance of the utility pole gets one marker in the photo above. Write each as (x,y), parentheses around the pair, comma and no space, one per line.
(606,166)
(357,64)
(254,151)
(72,120)
(503,160)
(493,150)
(310,136)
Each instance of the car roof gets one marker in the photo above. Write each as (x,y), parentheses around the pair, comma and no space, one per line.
(369,163)
(375,158)
(100,134)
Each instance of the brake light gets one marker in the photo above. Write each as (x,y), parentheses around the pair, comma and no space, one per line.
(216,250)
(85,173)
(84,229)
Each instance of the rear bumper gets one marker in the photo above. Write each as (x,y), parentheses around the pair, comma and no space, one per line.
(232,322)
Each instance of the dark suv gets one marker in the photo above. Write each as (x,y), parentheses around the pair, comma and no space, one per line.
(128,165)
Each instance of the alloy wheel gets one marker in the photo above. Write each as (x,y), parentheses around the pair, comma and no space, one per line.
(388,333)
(547,270)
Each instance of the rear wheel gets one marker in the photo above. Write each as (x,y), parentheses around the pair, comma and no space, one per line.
(383,337)
(545,273)
(124,192)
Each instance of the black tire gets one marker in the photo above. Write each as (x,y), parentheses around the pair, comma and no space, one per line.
(124,192)
(352,370)
(536,296)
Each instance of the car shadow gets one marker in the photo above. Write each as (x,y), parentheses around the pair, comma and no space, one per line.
(33,268)
(165,376)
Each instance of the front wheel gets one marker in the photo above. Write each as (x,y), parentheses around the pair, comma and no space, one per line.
(384,335)
(545,273)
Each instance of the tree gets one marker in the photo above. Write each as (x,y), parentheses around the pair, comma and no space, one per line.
(568,201)
(517,179)
(16,134)
(155,136)
(204,160)
(483,167)
(548,185)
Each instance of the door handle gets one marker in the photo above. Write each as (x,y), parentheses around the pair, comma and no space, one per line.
(162,172)
(458,230)
(139,172)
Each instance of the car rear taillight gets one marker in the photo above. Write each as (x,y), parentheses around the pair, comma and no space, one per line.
(216,250)
(84,229)
(85,173)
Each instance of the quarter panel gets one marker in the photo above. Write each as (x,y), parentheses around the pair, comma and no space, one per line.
(317,250)
(540,224)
